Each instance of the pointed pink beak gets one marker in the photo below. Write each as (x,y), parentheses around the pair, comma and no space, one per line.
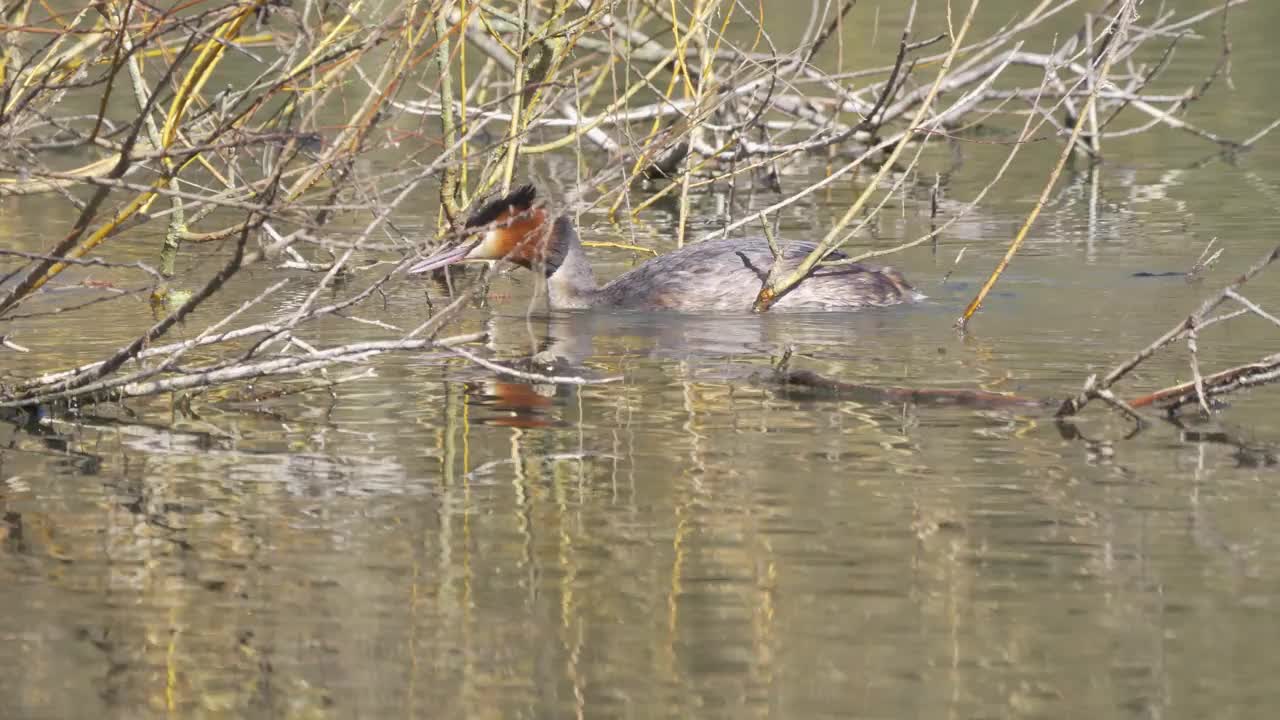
(443,258)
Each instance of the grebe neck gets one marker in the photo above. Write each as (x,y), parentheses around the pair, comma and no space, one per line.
(571,285)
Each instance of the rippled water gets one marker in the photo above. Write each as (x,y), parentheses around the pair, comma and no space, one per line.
(435,542)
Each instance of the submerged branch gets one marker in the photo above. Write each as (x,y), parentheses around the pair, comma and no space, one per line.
(804,383)
(1193,323)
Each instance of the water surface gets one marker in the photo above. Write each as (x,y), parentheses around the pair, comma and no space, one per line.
(438,542)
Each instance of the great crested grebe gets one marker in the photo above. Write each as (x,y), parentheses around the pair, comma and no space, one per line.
(715,275)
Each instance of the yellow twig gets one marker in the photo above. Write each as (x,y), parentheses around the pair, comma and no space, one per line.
(1122,18)
(778,284)
(618,245)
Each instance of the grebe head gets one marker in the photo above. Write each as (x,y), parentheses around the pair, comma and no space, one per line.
(519,229)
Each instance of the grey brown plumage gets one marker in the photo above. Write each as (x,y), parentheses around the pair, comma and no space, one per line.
(712,276)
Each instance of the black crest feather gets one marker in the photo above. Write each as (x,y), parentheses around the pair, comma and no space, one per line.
(516,201)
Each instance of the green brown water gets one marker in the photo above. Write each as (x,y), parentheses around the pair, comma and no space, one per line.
(432,542)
